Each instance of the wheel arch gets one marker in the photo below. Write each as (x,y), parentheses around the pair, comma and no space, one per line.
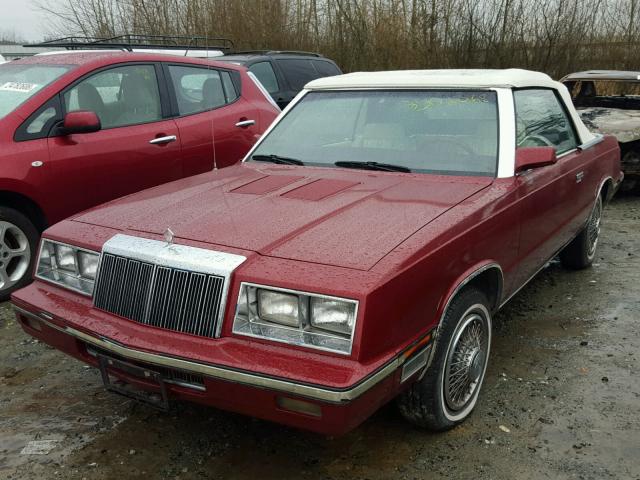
(487,277)
(606,189)
(26,206)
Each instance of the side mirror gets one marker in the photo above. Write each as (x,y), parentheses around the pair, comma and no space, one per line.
(81,121)
(534,157)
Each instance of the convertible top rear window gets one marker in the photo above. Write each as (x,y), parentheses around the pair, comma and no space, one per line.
(428,131)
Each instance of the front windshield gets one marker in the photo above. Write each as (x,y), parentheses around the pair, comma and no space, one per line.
(19,82)
(441,132)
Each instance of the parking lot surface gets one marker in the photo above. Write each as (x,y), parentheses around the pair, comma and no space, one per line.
(561,400)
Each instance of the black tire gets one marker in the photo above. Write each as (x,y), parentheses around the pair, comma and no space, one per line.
(18,244)
(581,251)
(429,402)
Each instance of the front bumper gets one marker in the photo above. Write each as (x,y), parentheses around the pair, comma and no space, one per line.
(337,409)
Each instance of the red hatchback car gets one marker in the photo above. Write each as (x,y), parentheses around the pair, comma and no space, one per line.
(79,129)
(358,254)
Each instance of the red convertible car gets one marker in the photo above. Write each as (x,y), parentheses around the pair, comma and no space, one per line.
(82,128)
(357,255)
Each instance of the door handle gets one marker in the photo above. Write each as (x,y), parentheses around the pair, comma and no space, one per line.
(245,123)
(163,140)
(579,177)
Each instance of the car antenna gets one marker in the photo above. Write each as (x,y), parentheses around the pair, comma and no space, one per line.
(213,137)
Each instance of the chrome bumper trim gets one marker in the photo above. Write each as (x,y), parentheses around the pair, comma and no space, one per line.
(254,380)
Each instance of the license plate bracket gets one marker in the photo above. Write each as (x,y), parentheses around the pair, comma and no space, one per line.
(159,399)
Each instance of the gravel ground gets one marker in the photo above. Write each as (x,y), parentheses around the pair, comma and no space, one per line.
(561,400)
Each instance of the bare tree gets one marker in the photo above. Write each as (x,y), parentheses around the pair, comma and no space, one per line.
(551,35)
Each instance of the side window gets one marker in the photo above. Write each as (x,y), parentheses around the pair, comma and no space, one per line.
(326,69)
(119,96)
(197,89)
(230,91)
(40,123)
(266,75)
(298,72)
(541,121)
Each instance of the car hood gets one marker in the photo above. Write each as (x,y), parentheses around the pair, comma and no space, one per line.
(346,218)
(622,124)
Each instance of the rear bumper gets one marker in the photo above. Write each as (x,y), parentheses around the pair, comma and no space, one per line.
(335,411)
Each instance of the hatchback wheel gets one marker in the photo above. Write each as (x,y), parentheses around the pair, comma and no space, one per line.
(448,391)
(18,240)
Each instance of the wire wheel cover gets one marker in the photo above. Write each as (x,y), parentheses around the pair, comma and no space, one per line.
(466,361)
(593,228)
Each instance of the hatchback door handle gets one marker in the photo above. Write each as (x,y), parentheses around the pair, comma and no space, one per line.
(163,140)
(245,123)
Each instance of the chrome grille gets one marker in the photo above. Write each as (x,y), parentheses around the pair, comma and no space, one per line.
(161,296)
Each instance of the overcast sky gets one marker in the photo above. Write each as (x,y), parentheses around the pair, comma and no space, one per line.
(21,17)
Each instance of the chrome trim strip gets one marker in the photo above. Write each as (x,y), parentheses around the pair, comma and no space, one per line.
(598,137)
(286,386)
(470,277)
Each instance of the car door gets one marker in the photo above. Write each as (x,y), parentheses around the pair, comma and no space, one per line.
(137,146)
(553,196)
(216,124)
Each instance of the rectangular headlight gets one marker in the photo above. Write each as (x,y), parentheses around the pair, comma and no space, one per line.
(278,307)
(333,315)
(68,266)
(299,318)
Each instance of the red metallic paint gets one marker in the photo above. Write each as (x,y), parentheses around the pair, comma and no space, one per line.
(89,169)
(81,122)
(534,157)
(399,243)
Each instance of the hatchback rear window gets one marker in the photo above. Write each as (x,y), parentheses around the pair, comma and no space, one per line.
(298,72)
(19,82)
(326,69)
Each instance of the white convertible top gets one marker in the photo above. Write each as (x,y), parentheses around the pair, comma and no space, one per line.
(512,77)
(469,78)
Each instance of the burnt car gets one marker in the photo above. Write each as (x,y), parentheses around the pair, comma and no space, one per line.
(356,255)
(609,102)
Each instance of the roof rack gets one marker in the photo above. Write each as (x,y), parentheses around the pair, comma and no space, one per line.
(131,41)
(274,52)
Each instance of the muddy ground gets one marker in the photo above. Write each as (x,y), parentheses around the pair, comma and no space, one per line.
(563,381)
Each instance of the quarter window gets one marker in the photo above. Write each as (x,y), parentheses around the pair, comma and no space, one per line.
(119,96)
(197,89)
(541,121)
(266,75)
(41,122)
(230,91)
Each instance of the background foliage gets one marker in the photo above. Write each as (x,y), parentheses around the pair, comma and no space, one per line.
(556,36)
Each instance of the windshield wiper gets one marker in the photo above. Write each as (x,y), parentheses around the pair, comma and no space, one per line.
(277,159)
(385,167)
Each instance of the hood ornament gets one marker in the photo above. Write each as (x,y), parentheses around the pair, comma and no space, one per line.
(168,236)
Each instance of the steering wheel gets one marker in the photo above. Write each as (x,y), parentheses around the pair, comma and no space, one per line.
(535,141)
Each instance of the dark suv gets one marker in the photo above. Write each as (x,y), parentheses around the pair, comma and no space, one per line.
(284,74)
